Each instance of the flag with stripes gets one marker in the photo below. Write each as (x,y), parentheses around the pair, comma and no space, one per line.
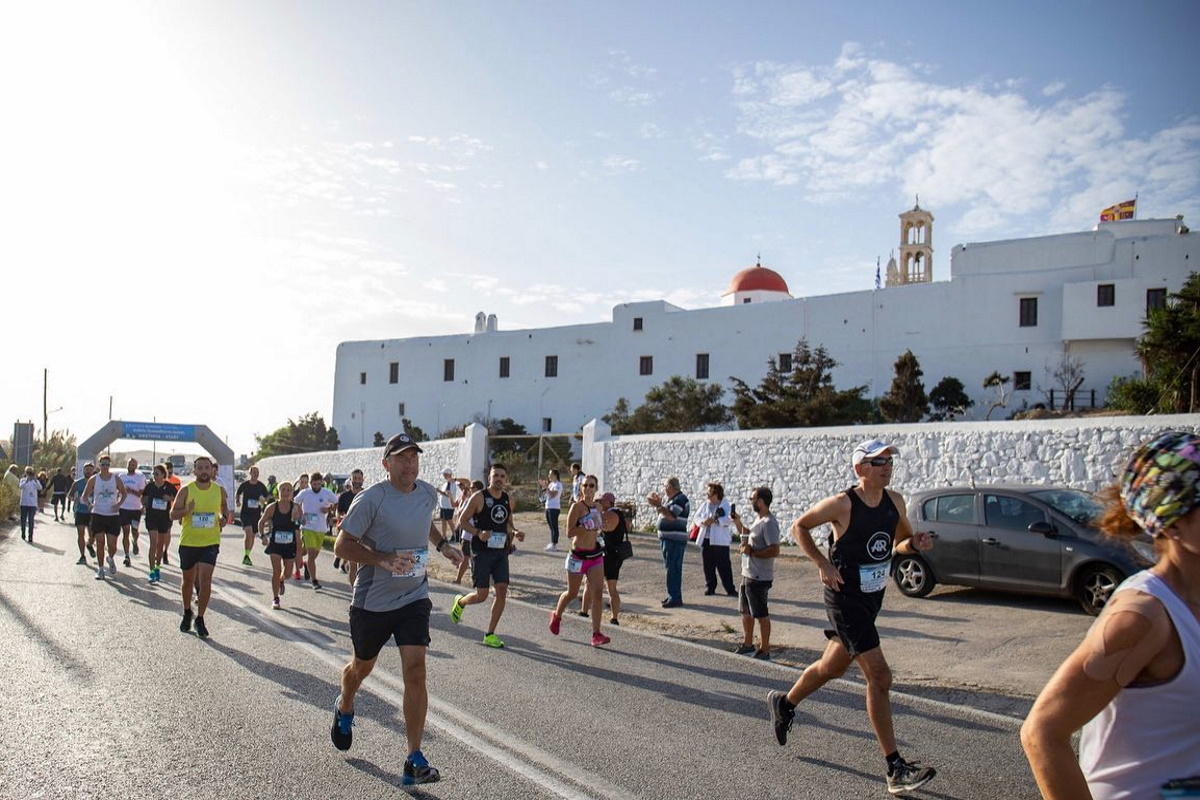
(1119,211)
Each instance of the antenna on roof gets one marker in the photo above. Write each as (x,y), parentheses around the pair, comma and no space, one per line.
(758,259)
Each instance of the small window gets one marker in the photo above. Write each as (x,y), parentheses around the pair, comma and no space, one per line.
(1106,295)
(1028,312)
(448,369)
(701,366)
(400,408)
(362,378)
(1010,513)
(546,425)
(551,366)
(785,362)
(745,300)
(394,372)
(646,365)
(957,508)
(1022,381)
(637,323)
(503,366)
(1156,299)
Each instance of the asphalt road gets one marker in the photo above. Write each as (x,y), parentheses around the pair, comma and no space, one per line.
(107,698)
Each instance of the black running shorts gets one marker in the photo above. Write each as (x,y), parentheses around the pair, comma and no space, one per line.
(488,567)
(82,518)
(250,518)
(852,615)
(130,517)
(407,625)
(191,556)
(158,521)
(612,567)
(752,597)
(106,525)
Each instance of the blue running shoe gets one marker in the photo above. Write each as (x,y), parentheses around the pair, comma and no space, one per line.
(417,770)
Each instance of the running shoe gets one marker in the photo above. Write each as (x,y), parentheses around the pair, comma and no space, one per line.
(337,563)
(91,550)
(128,563)
(908,776)
(782,714)
(614,621)
(275,603)
(297,575)
(100,572)
(135,549)
(551,548)
(246,562)
(185,625)
(112,566)
(82,560)
(492,640)
(22,536)
(342,732)
(417,770)
(316,584)
(744,649)
(599,639)
(762,655)
(456,610)
(201,628)
(555,623)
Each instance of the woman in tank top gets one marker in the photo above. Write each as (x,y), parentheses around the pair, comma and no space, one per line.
(279,525)
(585,524)
(1134,682)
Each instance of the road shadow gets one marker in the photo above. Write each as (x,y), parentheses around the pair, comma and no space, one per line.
(42,637)
(970,596)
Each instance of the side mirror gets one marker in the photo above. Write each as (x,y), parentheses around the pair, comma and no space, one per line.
(1042,527)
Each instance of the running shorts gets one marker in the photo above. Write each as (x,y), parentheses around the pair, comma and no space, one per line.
(852,617)
(158,521)
(489,566)
(407,625)
(313,540)
(83,518)
(105,524)
(250,517)
(130,517)
(191,556)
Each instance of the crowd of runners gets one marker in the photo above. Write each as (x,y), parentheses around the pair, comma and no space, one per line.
(385,534)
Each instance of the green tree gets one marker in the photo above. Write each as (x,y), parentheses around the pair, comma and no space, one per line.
(948,399)
(906,400)
(308,435)
(802,398)
(378,441)
(678,404)
(414,431)
(1170,350)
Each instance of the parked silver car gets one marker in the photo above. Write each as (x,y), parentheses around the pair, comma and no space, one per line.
(1027,539)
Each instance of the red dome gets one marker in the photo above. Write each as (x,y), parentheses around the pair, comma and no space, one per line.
(757,278)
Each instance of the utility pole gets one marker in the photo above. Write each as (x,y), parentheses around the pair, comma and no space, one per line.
(45,412)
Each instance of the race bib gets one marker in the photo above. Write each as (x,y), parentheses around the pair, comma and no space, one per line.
(204,520)
(497,540)
(284,537)
(310,520)
(420,559)
(252,504)
(574,565)
(158,504)
(872,578)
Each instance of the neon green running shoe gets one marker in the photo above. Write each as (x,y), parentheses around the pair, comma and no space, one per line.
(456,609)
(492,640)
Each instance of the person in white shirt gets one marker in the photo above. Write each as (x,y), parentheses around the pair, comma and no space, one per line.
(712,516)
(315,503)
(131,507)
(29,488)
(552,496)
(447,501)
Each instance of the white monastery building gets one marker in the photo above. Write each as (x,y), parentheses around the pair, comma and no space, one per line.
(1015,306)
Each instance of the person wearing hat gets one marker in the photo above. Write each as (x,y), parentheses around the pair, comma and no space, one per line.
(1133,683)
(388,531)
(447,500)
(83,516)
(869,527)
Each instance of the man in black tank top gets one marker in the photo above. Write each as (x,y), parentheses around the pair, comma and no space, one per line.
(869,527)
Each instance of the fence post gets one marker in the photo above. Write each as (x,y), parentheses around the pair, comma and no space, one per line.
(595,461)
(475,451)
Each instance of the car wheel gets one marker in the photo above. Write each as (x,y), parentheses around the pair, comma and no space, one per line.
(1096,584)
(913,576)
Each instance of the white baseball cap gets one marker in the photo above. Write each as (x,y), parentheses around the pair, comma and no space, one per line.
(447,471)
(871,448)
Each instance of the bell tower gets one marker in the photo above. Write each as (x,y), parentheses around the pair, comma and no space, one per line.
(916,247)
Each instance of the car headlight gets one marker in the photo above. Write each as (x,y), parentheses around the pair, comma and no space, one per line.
(1144,549)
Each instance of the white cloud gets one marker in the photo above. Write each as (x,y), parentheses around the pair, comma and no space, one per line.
(616,165)
(630,96)
(1051,89)
(651,131)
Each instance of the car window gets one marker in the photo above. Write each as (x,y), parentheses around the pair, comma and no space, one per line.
(957,508)
(1079,506)
(1001,511)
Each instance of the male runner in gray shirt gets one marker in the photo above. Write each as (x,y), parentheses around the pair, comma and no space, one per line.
(389,532)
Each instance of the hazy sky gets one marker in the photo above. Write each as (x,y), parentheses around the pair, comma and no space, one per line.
(200,200)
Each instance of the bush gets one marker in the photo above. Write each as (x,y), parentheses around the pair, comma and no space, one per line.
(9,500)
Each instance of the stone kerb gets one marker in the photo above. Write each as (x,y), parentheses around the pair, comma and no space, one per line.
(803,465)
(434,458)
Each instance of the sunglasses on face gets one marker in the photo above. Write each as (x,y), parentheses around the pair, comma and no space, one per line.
(880,461)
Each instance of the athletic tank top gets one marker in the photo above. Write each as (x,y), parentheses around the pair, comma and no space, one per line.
(863,553)
(1148,735)
(202,528)
(104,496)
(491,519)
(282,520)
(618,534)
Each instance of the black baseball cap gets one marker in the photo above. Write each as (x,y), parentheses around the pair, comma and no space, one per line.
(399,443)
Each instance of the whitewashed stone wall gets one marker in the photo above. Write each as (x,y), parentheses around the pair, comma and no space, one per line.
(437,455)
(803,465)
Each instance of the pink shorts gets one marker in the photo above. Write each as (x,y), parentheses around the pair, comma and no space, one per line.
(585,564)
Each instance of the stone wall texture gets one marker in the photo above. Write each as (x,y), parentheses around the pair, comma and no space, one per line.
(436,456)
(803,465)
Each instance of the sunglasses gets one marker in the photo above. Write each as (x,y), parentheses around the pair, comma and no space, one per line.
(880,461)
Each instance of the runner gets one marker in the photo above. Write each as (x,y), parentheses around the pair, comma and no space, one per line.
(315,503)
(389,530)
(466,490)
(616,549)
(59,486)
(344,501)
(70,498)
(202,507)
(157,499)
(279,525)
(299,486)
(869,528)
(488,518)
(172,479)
(272,487)
(585,521)
(104,494)
(252,495)
(82,516)
(131,507)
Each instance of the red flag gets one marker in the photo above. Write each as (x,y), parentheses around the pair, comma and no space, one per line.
(1119,211)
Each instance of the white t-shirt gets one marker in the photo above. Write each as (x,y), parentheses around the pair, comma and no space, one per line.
(29,491)
(133,502)
(555,500)
(450,488)
(312,517)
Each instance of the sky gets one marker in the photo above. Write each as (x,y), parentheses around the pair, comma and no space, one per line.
(200,200)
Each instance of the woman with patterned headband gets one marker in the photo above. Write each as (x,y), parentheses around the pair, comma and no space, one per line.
(1133,684)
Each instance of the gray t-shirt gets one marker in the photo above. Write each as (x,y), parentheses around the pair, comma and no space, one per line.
(390,521)
(763,533)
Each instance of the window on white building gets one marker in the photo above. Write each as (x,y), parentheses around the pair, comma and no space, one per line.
(394,372)
(551,366)
(1022,381)
(401,409)
(1028,312)
(1155,299)
(448,369)
(546,425)
(1106,295)
(646,365)
(637,323)
(362,378)
(504,366)
(701,366)
(745,300)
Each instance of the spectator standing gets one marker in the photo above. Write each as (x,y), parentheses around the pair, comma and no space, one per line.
(552,496)
(673,510)
(714,538)
(759,549)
